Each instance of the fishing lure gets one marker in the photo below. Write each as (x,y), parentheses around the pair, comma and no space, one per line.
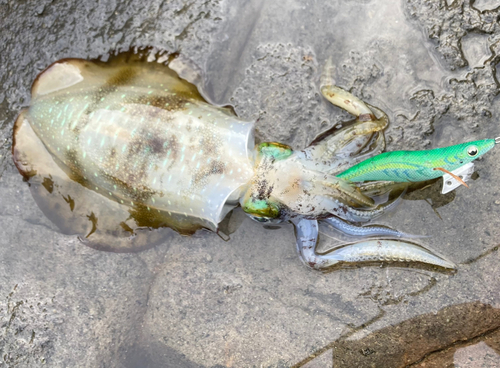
(413,166)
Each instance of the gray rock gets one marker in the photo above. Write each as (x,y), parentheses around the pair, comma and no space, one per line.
(249,302)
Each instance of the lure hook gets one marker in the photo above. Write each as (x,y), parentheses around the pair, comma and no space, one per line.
(497,140)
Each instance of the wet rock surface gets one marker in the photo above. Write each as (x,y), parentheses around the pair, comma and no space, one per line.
(455,31)
(427,340)
(203,302)
(262,95)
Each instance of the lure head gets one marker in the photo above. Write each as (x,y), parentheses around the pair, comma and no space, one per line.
(478,148)
(469,151)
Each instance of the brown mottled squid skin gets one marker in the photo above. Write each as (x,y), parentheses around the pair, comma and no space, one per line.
(141,138)
(113,150)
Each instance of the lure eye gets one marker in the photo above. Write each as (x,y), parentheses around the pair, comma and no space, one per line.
(472,151)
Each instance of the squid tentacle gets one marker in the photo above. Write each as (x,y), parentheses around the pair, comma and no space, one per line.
(367,231)
(354,215)
(366,251)
(387,250)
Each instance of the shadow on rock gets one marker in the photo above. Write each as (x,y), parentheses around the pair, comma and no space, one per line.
(156,356)
(429,340)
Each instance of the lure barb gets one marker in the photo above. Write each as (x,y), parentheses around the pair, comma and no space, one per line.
(463,172)
(457,178)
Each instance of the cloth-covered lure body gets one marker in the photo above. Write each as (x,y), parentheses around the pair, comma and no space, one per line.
(120,152)
(412,166)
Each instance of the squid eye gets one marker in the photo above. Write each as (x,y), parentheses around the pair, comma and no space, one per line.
(266,220)
(260,219)
(472,151)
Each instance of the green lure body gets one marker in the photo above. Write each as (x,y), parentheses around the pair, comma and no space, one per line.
(412,166)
